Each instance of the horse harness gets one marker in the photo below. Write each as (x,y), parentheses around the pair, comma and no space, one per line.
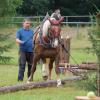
(53,31)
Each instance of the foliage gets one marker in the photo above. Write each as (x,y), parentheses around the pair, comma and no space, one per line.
(33,7)
(90,83)
(5,45)
(94,37)
(40,7)
(8,7)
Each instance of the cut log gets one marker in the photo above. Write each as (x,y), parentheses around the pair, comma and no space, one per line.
(89,62)
(86,98)
(27,86)
(85,66)
(80,66)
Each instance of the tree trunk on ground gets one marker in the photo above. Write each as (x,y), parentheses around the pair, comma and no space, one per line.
(27,86)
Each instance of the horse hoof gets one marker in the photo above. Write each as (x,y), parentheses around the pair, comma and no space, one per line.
(59,83)
(59,86)
(45,78)
(28,82)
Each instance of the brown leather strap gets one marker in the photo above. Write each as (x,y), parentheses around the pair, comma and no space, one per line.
(56,22)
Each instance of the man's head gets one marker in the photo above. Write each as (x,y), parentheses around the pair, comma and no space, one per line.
(26,23)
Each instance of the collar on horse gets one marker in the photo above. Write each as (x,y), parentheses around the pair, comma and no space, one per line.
(56,22)
(51,32)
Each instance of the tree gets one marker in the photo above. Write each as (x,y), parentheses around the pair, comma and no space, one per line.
(5,45)
(8,7)
(33,7)
(94,36)
(68,7)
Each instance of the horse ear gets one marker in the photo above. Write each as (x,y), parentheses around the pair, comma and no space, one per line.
(47,14)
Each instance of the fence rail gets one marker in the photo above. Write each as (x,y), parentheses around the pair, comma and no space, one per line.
(67,19)
(86,20)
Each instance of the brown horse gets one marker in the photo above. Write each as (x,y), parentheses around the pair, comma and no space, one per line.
(48,48)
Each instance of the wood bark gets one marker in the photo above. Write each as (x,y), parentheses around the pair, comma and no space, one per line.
(32,85)
(87,66)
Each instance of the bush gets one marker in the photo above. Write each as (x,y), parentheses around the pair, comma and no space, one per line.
(5,45)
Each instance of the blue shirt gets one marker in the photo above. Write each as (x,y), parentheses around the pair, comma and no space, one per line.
(26,36)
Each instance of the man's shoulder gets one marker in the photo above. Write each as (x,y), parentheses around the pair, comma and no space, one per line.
(19,30)
(31,30)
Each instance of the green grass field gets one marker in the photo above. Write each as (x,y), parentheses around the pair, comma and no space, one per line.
(8,76)
(53,93)
(9,72)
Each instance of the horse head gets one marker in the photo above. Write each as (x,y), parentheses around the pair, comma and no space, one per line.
(51,30)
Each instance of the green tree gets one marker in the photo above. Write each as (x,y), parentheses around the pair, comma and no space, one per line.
(94,37)
(8,7)
(68,7)
(33,7)
(5,45)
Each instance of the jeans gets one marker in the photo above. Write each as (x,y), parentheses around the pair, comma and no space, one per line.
(24,57)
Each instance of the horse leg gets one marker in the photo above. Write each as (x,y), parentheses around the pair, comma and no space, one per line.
(57,71)
(45,69)
(50,67)
(33,69)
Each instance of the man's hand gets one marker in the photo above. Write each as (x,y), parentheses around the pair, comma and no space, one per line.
(22,42)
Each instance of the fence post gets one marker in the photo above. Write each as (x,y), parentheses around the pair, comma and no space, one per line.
(66,21)
(77,28)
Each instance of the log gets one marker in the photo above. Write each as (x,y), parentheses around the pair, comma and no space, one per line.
(80,66)
(86,66)
(27,86)
(89,63)
(86,98)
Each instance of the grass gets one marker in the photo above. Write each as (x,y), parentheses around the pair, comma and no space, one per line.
(8,76)
(65,93)
(9,72)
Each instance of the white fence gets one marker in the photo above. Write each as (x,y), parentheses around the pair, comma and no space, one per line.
(86,20)
(76,21)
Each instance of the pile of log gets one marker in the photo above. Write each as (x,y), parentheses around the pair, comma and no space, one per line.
(32,85)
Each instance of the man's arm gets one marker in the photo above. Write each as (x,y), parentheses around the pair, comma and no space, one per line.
(19,41)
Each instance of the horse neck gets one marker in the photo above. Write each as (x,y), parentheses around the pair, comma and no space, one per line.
(46,26)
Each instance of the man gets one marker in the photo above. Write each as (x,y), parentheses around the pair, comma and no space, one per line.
(24,37)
